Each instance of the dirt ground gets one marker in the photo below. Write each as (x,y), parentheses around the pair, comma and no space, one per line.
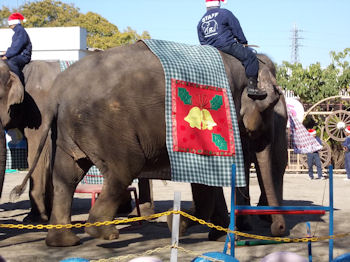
(29,245)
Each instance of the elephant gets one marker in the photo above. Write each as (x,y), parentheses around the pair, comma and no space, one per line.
(26,111)
(124,91)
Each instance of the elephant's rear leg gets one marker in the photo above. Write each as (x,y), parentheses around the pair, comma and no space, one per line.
(66,175)
(112,195)
(114,192)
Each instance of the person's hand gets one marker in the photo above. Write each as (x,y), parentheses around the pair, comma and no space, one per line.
(3,57)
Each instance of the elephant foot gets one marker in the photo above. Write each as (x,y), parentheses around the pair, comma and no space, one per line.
(146,209)
(278,228)
(185,223)
(266,218)
(217,235)
(35,218)
(243,223)
(109,232)
(125,208)
(61,238)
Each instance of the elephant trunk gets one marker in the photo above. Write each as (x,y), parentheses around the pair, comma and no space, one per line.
(278,226)
(2,157)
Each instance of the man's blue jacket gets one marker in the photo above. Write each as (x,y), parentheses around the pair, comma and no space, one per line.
(220,28)
(21,44)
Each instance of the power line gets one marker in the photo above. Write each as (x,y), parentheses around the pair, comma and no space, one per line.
(295,44)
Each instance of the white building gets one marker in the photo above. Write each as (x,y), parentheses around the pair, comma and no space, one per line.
(51,43)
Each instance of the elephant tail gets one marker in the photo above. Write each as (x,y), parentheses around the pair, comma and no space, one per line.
(18,190)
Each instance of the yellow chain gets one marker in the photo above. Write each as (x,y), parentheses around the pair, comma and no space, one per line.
(79,225)
(167,213)
(280,239)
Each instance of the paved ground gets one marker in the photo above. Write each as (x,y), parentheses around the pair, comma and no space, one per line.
(29,245)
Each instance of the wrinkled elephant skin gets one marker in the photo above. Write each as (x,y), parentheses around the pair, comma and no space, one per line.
(119,125)
(11,94)
(27,113)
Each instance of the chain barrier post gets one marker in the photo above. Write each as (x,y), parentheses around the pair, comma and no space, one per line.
(233,209)
(175,227)
(331,213)
(231,236)
(308,232)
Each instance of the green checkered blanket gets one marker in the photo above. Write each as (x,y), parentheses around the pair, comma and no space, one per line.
(64,64)
(202,65)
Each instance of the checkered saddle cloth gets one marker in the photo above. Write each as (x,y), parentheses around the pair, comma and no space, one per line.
(187,69)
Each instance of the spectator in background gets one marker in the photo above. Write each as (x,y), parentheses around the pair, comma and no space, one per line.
(346,146)
(314,159)
(20,52)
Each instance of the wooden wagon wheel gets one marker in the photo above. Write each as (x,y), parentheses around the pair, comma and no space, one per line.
(325,156)
(335,124)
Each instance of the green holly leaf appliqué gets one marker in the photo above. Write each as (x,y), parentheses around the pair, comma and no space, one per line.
(185,96)
(219,141)
(216,102)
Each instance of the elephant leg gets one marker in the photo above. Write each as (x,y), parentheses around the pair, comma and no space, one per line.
(66,175)
(242,194)
(278,225)
(219,216)
(262,198)
(38,212)
(209,205)
(112,195)
(40,188)
(203,201)
(145,198)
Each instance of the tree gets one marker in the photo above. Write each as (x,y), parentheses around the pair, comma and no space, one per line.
(314,82)
(49,13)
(311,84)
(339,61)
(4,14)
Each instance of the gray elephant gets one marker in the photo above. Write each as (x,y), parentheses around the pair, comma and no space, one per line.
(27,111)
(124,90)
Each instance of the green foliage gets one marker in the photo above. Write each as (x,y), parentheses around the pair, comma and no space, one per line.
(219,141)
(314,83)
(216,102)
(49,13)
(311,84)
(4,14)
(339,61)
(185,96)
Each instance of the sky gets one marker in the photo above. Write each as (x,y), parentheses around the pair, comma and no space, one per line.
(323,25)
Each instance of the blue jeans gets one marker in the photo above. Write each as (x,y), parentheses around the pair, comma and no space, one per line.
(347,164)
(314,158)
(16,65)
(247,57)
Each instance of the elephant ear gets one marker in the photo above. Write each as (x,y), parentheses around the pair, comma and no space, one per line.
(16,91)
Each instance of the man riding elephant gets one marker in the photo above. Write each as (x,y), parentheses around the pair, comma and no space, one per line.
(20,52)
(220,28)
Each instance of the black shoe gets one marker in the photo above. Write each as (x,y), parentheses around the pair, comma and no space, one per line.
(253,91)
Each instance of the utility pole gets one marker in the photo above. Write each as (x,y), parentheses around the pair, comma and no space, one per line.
(295,44)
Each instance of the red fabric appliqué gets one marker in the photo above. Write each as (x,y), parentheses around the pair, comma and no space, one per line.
(201,119)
